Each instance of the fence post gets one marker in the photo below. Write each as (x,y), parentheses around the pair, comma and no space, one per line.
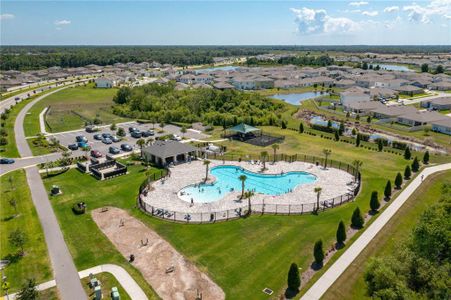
(341,199)
(333,202)
(276,209)
(227,215)
(302,208)
(289,209)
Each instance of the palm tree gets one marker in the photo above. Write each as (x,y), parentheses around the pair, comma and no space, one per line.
(326,153)
(317,190)
(275,147)
(141,143)
(264,155)
(206,164)
(242,178)
(248,195)
(357,164)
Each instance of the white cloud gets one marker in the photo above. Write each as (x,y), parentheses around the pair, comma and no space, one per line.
(62,22)
(360,3)
(370,13)
(6,17)
(391,9)
(311,21)
(423,14)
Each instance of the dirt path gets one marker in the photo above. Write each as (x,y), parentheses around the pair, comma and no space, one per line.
(154,259)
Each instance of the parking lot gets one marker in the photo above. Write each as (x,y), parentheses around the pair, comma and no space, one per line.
(67,138)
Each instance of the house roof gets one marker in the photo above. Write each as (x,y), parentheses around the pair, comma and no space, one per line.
(394,111)
(365,105)
(443,122)
(440,101)
(243,128)
(169,148)
(423,116)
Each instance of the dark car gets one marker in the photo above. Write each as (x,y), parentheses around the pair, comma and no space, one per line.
(131,129)
(114,150)
(148,133)
(6,161)
(96,153)
(107,141)
(91,128)
(106,135)
(126,147)
(81,138)
(98,136)
(136,134)
(115,139)
(82,145)
(73,146)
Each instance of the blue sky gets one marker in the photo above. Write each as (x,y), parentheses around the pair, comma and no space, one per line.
(225,22)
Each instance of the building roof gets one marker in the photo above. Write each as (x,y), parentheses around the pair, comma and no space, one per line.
(443,122)
(439,101)
(423,116)
(394,111)
(365,105)
(243,128)
(169,148)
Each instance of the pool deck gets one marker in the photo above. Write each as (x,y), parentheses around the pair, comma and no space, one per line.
(163,194)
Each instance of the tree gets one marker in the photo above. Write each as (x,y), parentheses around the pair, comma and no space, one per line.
(183,130)
(121,132)
(407,172)
(317,190)
(28,291)
(283,125)
(398,181)
(294,280)
(380,145)
(439,69)
(13,203)
(123,95)
(65,160)
(318,252)
(242,178)
(18,238)
(365,66)
(424,68)
(415,165)
(426,158)
(374,201)
(341,233)
(248,195)
(329,123)
(141,143)
(387,190)
(326,153)
(368,119)
(113,126)
(336,135)
(275,147)
(357,140)
(301,128)
(357,219)
(407,153)
(264,155)
(206,164)
(357,165)
(342,128)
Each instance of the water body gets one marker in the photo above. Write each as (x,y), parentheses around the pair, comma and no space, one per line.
(320,121)
(209,70)
(227,181)
(296,98)
(393,67)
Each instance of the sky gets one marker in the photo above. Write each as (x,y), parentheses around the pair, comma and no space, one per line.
(230,22)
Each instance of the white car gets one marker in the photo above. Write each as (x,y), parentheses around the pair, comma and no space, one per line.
(176,137)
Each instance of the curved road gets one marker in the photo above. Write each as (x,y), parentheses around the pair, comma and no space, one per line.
(66,275)
(331,275)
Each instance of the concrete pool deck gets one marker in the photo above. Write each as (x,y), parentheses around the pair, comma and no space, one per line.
(163,194)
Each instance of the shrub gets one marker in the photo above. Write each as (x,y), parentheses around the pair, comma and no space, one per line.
(398,181)
(121,132)
(318,252)
(426,158)
(374,201)
(341,233)
(399,145)
(301,128)
(357,140)
(357,219)
(415,165)
(380,145)
(79,208)
(294,280)
(336,135)
(322,128)
(387,190)
(407,153)
(407,172)
(284,125)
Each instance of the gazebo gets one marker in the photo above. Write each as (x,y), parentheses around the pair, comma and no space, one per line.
(252,135)
(244,130)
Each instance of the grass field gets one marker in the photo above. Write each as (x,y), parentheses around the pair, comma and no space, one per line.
(351,284)
(35,263)
(242,256)
(71,108)
(107,281)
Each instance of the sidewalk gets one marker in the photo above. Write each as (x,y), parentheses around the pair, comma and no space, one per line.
(334,272)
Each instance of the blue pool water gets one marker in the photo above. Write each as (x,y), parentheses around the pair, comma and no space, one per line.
(296,98)
(227,181)
(224,68)
(320,121)
(394,67)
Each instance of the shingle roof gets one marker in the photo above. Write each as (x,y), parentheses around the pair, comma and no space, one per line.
(168,148)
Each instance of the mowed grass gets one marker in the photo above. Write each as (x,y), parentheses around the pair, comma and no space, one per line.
(35,263)
(242,256)
(107,281)
(71,108)
(351,284)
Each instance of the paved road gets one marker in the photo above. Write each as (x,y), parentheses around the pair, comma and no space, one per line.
(28,162)
(66,275)
(121,275)
(334,272)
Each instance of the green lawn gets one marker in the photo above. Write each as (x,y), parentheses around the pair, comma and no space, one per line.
(351,284)
(35,263)
(107,281)
(71,108)
(242,256)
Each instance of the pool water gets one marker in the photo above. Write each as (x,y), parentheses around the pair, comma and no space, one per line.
(227,181)
(296,98)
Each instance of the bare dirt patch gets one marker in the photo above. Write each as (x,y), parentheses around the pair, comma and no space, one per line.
(166,270)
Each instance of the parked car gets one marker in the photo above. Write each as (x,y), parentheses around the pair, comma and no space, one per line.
(115,139)
(136,134)
(126,147)
(131,129)
(114,150)
(6,161)
(17,98)
(73,146)
(176,137)
(91,128)
(107,141)
(81,138)
(148,133)
(83,145)
(96,153)
(106,135)
(98,137)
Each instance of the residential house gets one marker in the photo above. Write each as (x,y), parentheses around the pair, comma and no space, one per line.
(104,82)
(409,90)
(354,94)
(441,103)
(392,112)
(443,126)
(419,118)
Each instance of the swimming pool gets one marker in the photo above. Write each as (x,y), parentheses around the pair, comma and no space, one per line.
(227,181)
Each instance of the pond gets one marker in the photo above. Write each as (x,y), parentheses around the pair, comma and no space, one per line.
(212,69)
(296,98)
(320,121)
(393,67)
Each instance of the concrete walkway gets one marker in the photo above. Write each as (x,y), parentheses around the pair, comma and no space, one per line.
(334,272)
(66,275)
(121,275)
(42,120)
